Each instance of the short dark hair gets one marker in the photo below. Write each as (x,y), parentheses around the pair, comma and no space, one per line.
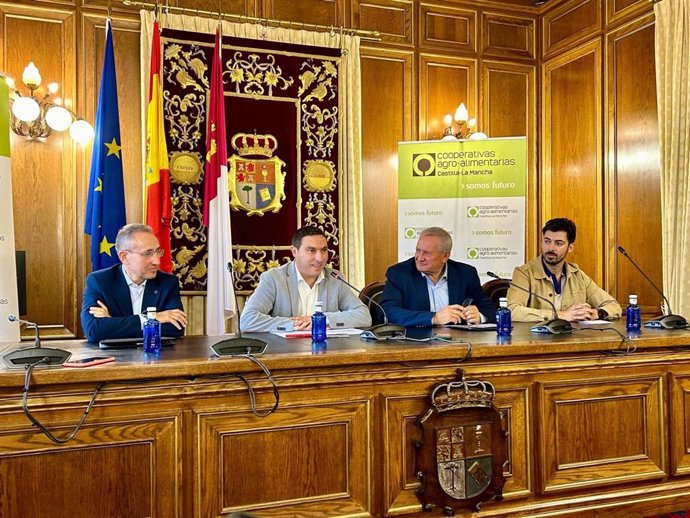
(303,232)
(561,225)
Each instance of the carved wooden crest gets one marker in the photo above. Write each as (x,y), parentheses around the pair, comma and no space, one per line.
(461,447)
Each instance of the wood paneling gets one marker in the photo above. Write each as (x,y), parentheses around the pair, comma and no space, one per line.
(508,36)
(508,99)
(570,23)
(252,466)
(43,181)
(388,120)
(621,10)
(680,425)
(444,82)
(447,27)
(572,150)
(633,161)
(393,19)
(620,436)
(324,12)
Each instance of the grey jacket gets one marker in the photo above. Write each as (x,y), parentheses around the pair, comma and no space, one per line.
(276,299)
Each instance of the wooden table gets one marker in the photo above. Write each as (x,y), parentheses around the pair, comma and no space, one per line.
(591,431)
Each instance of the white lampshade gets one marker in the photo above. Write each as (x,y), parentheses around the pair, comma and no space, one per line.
(461,114)
(448,137)
(10,82)
(26,109)
(81,131)
(58,118)
(31,76)
(479,136)
(447,120)
(53,87)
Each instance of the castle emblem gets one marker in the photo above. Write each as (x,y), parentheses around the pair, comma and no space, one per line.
(257,185)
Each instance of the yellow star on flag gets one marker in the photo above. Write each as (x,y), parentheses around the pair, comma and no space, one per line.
(113,148)
(100,185)
(106,246)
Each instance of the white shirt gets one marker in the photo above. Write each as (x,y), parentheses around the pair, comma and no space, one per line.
(136,294)
(438,294)
(308,296)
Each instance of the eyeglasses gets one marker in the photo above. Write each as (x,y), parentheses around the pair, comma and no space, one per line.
(148,254)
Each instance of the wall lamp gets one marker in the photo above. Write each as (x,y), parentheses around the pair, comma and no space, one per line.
(36,117)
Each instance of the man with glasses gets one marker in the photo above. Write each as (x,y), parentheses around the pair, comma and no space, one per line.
(432,289)
(116,298)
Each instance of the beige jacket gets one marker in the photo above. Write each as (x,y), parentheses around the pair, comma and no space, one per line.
(577,288)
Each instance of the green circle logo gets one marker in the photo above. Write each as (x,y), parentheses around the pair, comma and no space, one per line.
(472,253)
(472,212)
(424,164)
(410,233)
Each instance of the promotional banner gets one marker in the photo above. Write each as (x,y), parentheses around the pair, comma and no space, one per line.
(9,331)
(475,189)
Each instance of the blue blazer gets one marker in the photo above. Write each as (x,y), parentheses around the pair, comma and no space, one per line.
(109,286)
(406,297)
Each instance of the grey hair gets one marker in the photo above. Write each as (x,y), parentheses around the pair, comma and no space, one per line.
(124,236)
(446,241)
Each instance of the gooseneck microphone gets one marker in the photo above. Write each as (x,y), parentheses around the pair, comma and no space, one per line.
(379,332)
(33,355)
(668,320)
(555,326)
(239,345)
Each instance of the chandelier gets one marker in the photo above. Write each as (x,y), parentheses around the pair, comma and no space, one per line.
(464,124)
(36,117)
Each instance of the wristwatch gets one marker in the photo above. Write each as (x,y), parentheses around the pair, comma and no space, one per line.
(603,315)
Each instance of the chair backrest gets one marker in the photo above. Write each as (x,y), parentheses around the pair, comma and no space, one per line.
(495,289)
(374,291)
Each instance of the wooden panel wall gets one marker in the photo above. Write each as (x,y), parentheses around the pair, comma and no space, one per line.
(589,62)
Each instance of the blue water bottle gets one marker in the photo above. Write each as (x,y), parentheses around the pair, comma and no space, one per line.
(318,324)
(633,317)
(152,332)
(503,320)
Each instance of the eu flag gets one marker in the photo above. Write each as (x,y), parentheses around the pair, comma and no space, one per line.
(105,205)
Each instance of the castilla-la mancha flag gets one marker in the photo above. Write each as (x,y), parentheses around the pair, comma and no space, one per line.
(220,295)
(157,206)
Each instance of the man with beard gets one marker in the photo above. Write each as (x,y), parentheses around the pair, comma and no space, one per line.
(575,295)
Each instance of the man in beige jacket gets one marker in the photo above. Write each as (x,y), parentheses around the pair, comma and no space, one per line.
(575,295)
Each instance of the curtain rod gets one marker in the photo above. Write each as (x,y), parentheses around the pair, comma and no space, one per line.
(286,24)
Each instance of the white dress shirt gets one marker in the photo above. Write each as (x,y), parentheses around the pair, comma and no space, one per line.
(136,294)
(308,296)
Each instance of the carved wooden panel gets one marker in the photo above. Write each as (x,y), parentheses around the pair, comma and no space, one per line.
(509,109)
(444,82)
(248,463)
(620,10)
(43,182)
(387,120)
(123,469)
(393,19)
(572,149)
(573,21)
(680,424)
(599,433)
(323,12)
(633,161)
(508,36)
(398,456)
(441,25)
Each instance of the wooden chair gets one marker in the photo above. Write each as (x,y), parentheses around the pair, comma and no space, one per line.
(495,289)
(374,291)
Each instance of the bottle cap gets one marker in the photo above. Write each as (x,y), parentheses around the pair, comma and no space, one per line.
(151,311)
(318,307)
(632,299)
(503,302)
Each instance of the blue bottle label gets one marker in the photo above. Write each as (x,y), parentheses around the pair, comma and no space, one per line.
(503,322)
(152,336)
(318,327)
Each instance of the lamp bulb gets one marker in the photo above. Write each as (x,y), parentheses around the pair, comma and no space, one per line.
(58,118)
(461,114)
(479,136)
(81,131)
(31,76)
(26,109)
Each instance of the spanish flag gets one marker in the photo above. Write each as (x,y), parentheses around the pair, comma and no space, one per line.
(157,206)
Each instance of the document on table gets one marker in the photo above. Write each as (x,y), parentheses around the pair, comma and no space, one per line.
(487,326)
(592,322)
(330,333)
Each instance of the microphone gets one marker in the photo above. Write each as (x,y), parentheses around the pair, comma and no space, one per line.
(555,326)
(379,332)
(667,321)
(239,345)
(34,355)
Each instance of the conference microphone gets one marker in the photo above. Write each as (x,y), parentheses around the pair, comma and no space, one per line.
(667,321)
(33,355)
(379,332)
(555,326)
(239,345)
